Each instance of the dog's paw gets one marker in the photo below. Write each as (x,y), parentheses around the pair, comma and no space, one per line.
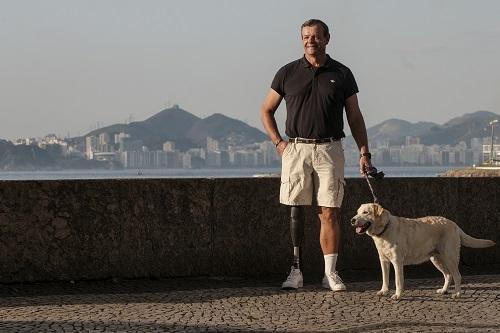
(382,292)
(456,295)
(442,291)
(396,297)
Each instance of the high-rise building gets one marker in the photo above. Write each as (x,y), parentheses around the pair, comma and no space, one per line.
(129,144)
(90,146)
(212,144)
(105,139)
(488,158)
(214,159)
(120,136)
(412,140)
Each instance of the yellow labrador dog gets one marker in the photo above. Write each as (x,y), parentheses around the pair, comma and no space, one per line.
(404,241)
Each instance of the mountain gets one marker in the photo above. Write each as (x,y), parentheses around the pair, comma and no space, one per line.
(470,125)
(167,125)
(224,129)
(395,130)
(186,130)
(463,128)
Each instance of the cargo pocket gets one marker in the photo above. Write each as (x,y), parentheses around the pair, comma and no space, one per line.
(291,190)
(284,191)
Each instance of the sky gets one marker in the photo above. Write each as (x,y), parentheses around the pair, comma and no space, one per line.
(69,66)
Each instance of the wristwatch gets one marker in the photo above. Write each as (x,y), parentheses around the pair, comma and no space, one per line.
(277,142)
(369,155)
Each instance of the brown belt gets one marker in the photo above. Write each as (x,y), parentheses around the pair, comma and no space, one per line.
(313,141)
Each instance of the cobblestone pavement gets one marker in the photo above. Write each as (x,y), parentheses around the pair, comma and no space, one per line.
(224,305)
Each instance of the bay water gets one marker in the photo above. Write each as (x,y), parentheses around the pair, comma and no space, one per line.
(350,172)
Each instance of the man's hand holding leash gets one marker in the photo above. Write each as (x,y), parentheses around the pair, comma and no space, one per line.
(370,171)
(365,163)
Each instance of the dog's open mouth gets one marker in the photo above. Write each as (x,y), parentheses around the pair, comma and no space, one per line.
(362,228)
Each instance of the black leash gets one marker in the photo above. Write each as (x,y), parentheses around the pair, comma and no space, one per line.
(377,175)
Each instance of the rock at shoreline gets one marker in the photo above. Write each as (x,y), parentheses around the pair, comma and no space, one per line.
(472,172)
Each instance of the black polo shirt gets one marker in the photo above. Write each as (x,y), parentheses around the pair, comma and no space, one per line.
(315,98)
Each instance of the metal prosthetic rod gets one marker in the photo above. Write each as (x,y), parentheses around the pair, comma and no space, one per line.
(297,232)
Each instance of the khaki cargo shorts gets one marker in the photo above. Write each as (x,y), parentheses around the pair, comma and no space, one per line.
(312,171)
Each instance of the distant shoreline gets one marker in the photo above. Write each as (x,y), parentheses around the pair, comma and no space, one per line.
(472,172)
(350,172)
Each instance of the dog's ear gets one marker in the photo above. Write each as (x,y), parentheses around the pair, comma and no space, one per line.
(378,209)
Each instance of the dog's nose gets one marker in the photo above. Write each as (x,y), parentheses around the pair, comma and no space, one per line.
(353,221)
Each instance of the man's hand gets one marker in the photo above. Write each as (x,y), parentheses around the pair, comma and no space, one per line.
(280,148)
(365,165)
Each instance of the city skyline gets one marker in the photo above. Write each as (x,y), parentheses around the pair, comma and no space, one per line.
(119,150)
(176,139)
(68,65)
(100,127)
(222,142)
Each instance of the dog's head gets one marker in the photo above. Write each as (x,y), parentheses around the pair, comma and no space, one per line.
(370,218)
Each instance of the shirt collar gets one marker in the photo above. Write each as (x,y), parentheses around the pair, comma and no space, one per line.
(306,63)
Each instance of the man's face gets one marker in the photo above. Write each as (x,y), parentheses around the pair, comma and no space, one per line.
(314,40)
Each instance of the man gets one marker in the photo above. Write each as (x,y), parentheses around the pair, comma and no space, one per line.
(316,89)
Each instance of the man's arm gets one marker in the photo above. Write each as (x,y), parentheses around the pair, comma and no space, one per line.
(269,107)
(358,130)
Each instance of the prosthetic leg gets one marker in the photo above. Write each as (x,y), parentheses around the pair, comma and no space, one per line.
(297,232)
(295,279)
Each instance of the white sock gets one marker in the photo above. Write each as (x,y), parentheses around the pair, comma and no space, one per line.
(330,262)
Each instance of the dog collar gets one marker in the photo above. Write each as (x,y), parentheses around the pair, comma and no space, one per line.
(385,228)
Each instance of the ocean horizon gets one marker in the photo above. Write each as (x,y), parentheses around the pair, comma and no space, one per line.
(350,172)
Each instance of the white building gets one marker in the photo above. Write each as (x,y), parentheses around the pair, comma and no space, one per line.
(487,157)
(212,144)
(90,146)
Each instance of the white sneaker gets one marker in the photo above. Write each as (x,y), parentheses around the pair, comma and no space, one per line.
(294,280)
(333,281)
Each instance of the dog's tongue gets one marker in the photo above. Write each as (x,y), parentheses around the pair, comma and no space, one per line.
(359,230)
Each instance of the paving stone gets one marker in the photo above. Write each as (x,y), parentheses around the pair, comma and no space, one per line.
(208,305)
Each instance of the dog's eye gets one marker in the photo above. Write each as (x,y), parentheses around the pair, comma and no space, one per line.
(365,212)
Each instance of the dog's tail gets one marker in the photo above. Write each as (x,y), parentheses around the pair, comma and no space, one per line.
(470,241)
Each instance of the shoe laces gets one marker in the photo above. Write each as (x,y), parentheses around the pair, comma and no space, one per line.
(335,277)
(293,273)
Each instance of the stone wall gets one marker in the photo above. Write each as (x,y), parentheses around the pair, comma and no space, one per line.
(98,229)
